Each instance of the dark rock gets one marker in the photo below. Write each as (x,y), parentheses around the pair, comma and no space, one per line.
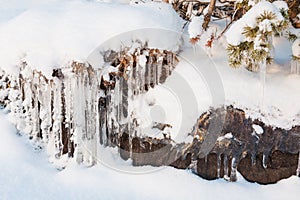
(183,162)
(263,158)
(280,166)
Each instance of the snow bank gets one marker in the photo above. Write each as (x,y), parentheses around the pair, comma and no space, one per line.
(51,33)
(235,34)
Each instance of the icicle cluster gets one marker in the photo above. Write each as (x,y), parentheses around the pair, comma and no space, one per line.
(244,145)
(295,63)
(80,108)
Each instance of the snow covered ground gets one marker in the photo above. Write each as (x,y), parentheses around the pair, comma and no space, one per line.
(26,174)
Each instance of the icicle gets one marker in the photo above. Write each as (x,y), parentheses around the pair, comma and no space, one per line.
(116,111)
(253,158)
(88,138)
(159,68)
(78,118)
(194,165)
(218,165)
(295,67)
(70,109)
(45,111)
(233,176)
(69,83)
(27,105)
(109,113)
(226,167)
(264,161)
(12,98)
(34,108)
(263,69)
(57,117)
(298,168)
(130,98)
(91,115)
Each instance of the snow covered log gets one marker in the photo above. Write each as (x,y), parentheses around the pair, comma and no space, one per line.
(80,108)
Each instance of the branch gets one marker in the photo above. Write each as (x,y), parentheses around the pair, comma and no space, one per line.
(207,17)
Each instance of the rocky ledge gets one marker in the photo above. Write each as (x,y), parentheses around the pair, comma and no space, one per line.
(260,153)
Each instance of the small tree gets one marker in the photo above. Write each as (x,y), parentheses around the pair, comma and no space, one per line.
(255,47)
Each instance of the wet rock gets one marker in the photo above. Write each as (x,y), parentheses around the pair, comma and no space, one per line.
(264,158)
(183,162)
(280,166)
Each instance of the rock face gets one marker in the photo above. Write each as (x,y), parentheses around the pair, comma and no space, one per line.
(280,166)
(261,153)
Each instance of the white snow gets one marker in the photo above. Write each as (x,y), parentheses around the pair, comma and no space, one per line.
(51,33)
(226,136)
(25,174)
(195,26)
(281,5)
(258,129)
(142,60)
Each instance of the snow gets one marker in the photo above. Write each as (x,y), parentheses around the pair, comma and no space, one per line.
(25,174)
(51,33)
(258,129)
(200,82)
(226,136)
(281,5)
(235,34)
(142,60)
(296,48)
(239,87)
(195,26)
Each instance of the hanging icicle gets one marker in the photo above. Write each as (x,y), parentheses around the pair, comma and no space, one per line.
(79,108)
(295,67)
